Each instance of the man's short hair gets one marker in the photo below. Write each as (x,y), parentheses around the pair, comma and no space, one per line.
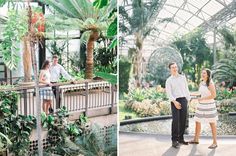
(171,64)
(55,56)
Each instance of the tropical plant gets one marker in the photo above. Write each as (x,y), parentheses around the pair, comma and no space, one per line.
(225,94)
(91,20)
(61,133)
(225,70)
(105,58)
(112,78)
(5,142)
(57,49)
(14,30)
(229,38)
(17,29)
(226,105)
(125,67)
(195,52)
(94,144)
(17,127)
(138,21)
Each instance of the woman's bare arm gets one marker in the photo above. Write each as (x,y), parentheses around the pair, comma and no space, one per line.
(212,89)
(41,80)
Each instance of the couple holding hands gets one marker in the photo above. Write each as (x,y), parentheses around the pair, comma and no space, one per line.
(179,95)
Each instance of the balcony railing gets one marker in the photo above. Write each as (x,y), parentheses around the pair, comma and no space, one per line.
(81,96)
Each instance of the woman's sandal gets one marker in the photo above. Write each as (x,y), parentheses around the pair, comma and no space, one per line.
(193,142)
(213,146)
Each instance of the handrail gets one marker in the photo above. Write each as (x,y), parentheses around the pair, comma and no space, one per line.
(18,87)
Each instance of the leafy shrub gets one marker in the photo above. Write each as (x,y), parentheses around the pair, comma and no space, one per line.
(124,74)
(227,105)
(225,94)
(149,107)
(17,127)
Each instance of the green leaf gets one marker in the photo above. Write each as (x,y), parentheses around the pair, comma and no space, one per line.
(112,78)
(100,3)
(113,43)
(112,29)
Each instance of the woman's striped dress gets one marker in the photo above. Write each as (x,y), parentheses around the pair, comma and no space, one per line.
(206,109)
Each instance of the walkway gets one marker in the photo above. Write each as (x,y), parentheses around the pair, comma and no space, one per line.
(140,144)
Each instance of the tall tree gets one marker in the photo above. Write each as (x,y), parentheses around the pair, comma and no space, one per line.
(137,19)
(93,19)
(195,52)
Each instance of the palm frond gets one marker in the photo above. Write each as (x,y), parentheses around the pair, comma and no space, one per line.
(229,37)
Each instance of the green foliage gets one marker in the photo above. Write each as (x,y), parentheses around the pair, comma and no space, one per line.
(14,30)
(105,60)
(57,49)
(112,29)
(8,105)
(112,78)
(59,128)
(149,107)
(225,94)
(225,69)
(82,119)
(147,102)
(112,33)
(2,2)
(100,3)
(195,52)
(85,16)
(124,74)
(5,142)
(21,129)
(229,37)
(125,113)
(227,105)
(145,94)
(17,127)
(93,143)
(137,95)
(141,18)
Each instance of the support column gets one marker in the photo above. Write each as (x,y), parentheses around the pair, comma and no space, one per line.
(42,44)
(214,46)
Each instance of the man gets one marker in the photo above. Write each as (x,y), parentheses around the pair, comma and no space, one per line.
(56,70)
(178,93)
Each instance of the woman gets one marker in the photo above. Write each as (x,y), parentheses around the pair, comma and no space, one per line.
(46,92)
(206,108)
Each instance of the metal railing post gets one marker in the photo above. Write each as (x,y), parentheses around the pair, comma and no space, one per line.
(25,101)
(57,97)
(86,98)
(112,99)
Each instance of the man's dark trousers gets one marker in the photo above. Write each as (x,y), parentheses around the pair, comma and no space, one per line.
(54,90)
(179,119)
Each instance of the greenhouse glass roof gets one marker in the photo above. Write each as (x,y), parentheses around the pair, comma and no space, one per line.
(187,15)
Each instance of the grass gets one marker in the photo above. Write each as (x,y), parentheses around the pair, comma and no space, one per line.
(124,112)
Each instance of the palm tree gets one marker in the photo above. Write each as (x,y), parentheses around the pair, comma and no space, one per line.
(229,38)
(225,69)
(91,20)
(138,22)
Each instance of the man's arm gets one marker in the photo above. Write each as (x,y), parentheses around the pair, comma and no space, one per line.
(65,73)
(168,91)
(187,89)
(170,96)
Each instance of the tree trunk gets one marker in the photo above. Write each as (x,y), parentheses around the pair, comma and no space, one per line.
(139,57)
(27,63)
(89,58)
